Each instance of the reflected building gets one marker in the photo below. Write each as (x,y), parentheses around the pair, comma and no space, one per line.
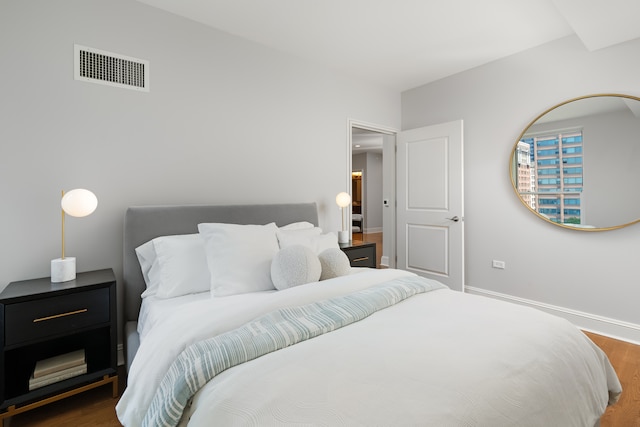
(550,175)
(526,174)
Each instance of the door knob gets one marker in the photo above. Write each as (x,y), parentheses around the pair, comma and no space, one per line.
(454,219)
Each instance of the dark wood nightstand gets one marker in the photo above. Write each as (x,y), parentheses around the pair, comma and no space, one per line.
(361,254)
(40,320)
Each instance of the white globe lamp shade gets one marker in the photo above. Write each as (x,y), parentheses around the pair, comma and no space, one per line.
(79,202)
(343,199)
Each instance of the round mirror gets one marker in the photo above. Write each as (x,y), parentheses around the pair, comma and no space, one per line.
(576,164)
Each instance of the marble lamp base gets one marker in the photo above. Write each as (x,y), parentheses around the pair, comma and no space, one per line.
(343,236)
(63,269)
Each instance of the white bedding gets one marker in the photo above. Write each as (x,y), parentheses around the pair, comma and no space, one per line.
(153,309)
(441,358)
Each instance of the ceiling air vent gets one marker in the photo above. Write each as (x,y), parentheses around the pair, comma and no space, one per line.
(106,68)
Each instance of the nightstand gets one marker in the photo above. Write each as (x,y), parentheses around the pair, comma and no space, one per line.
(40,320)
(361,254)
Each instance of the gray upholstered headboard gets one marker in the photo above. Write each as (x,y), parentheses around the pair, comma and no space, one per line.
(143,223)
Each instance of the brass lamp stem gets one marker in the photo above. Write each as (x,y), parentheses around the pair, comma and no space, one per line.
(62,227)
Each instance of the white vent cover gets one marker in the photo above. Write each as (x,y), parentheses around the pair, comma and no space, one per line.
(106,68)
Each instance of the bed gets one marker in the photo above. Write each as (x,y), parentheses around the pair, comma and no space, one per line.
(356,347)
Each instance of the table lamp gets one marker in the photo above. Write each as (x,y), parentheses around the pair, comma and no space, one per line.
(78,203)
(343,200)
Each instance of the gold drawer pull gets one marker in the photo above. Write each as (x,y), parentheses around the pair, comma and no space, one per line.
(55,316)
(361,259)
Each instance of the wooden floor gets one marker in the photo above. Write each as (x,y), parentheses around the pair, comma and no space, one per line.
(625,359)
(96,407)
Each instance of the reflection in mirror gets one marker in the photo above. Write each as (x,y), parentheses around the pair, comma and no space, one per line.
(577,164)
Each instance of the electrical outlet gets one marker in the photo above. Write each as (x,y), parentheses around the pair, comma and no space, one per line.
(499,264)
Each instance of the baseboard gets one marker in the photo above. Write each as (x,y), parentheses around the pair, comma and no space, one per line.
(373,230)
(384,261)
(617,329)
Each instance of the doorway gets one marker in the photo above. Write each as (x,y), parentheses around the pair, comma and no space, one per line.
(357,202)
(420,252)
(371,180)
(430,200)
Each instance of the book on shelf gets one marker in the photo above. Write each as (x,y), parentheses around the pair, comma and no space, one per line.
(56,376)
(59,363)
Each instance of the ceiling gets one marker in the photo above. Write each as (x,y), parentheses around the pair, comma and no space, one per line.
(365,141)
(402,44)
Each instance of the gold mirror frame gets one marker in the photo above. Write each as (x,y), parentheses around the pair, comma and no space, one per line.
(513,164)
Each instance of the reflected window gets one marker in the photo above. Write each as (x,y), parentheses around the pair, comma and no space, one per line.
(548,189)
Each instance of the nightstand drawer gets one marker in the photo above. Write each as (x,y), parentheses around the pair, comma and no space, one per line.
(44,317)
(362,257)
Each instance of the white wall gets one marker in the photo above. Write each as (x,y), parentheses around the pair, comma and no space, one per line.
(373,221)
(222,124)
(370,163)
(590,278)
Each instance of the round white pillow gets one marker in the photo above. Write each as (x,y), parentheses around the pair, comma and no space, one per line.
(335,263)
(293,266)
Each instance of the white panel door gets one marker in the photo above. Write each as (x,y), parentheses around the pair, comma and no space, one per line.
(430,227)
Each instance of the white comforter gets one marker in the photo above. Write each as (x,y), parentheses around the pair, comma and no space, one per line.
(442,358)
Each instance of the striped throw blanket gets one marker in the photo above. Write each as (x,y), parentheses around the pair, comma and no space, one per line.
(281,328)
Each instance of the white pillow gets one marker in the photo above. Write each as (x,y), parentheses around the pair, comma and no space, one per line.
(297,225)
(326,241)
(174,265)
(239,256)
(334,263)
(310,237)
(293,266)
(300,236)
(146,256)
